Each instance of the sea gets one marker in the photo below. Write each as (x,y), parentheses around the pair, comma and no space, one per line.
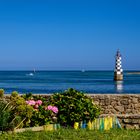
(49,82)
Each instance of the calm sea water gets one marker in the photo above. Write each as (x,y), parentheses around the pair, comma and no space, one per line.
(57,81)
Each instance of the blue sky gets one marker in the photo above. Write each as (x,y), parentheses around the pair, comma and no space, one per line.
(69,34)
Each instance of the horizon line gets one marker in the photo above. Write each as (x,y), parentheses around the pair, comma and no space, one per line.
(67,70)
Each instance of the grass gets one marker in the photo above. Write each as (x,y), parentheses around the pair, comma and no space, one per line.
(71,134)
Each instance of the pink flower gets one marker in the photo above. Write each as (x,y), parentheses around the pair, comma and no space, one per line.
(49,107)
(55,109)
(31,102)
(39,102)
(52,108)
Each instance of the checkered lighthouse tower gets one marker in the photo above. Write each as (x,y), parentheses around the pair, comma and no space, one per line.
(118,73)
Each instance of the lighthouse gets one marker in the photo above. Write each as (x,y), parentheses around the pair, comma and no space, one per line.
(118,72)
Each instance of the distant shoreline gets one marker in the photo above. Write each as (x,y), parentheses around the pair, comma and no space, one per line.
(136,73)
(89,94)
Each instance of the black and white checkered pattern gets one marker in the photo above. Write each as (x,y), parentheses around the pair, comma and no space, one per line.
(118,65)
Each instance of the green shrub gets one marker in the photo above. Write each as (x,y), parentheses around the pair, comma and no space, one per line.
(27,96)
(14,93)
(40,117)
(5,115)
(73,106)
(1,93)
(14,114)
(22,113)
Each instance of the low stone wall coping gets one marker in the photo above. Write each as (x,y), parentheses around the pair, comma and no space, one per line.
(126,116)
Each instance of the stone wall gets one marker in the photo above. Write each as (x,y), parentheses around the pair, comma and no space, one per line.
(118,104)
(125,106)
(129,121)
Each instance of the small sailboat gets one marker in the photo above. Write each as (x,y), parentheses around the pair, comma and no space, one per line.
(32,73)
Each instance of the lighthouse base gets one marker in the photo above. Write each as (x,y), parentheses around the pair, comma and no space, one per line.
(118,77)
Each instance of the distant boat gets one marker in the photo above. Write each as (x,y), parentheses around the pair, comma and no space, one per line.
(32,73)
